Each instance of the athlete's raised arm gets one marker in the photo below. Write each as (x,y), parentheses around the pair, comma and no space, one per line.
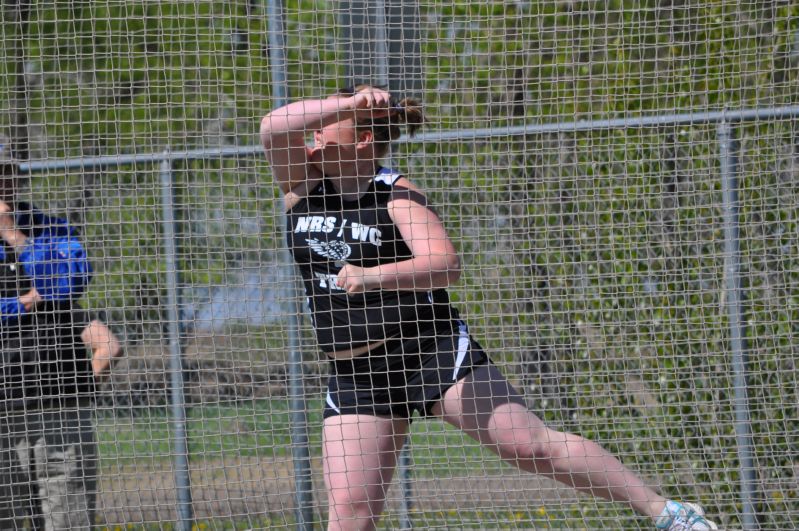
(284,132)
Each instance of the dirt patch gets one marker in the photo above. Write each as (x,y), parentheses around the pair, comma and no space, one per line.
(232,489)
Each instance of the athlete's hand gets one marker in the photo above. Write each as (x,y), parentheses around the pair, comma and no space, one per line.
(372,102)
(6,216)
(30,299)
(354,279)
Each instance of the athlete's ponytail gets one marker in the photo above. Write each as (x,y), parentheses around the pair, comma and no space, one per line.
(386,129)
(409,112)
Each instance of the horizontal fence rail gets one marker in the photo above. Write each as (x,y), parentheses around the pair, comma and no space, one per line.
(706,117)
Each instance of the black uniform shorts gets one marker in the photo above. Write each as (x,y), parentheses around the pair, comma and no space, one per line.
(403,375)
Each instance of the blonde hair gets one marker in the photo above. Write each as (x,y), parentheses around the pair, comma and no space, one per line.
(386,129)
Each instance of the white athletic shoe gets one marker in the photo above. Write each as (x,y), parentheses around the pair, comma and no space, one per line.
(678,516)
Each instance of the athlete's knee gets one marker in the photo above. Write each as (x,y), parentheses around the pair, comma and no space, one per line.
(339,520)
(530,450)
(512,442)
(538,446)
(348,516)
(355,504)
(553,451)
(516,431)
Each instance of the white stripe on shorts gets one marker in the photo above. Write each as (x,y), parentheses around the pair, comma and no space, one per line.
(463,348)
(332,404)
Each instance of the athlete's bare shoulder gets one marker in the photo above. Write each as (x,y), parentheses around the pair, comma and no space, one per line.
(405,191)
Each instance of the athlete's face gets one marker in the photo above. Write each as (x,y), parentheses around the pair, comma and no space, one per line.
(337,137)
(341,145)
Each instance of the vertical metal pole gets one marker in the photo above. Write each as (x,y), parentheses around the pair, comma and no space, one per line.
(406,483)
(382,77)
(381,43)
(354,38)
(277,57)
(179,440)
(20,138)
(732,258)
(303,484)
(405,465)
(405,71)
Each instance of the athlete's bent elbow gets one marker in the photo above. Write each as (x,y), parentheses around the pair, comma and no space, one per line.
(266,132)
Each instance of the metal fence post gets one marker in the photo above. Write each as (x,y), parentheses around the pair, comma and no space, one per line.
(383,69)
(177,399)
(303,483)
(732,291)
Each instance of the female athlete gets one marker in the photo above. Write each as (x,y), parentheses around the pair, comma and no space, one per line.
(376,261)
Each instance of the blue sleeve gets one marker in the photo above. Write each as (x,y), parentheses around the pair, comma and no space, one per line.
(10,308)
(58,265)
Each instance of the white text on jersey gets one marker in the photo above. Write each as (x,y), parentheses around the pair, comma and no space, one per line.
(328,224)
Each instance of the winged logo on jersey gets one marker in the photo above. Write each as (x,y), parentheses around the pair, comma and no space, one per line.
(335,250)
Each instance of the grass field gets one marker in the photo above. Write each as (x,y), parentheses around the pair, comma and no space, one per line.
(433,520)
(261,430)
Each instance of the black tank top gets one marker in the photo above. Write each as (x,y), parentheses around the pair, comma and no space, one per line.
(322,233)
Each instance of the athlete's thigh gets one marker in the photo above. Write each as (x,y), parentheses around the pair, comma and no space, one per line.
(484,401)
(361,450)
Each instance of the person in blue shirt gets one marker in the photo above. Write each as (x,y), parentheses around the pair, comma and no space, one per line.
(48,252)
(47,446)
